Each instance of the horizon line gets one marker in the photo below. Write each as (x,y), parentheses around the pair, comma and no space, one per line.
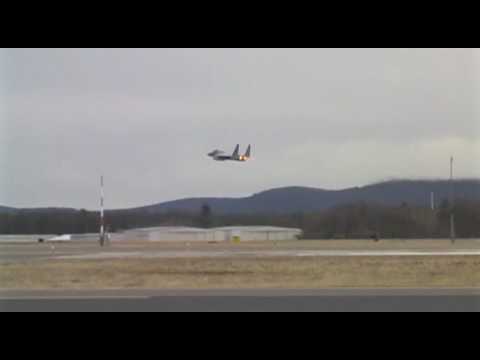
(379,182)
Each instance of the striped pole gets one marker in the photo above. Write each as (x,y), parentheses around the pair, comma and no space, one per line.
(102,218)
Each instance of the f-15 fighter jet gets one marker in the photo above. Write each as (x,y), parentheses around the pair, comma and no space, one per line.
(220,155)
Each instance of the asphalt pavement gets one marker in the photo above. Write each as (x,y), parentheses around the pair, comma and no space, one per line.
(248,300)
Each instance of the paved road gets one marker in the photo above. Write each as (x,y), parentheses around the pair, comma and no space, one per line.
(374,300)
(22,253)
(91,251)
(263,253)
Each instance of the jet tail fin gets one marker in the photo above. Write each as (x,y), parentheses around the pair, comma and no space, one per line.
(235,152)
(247,153)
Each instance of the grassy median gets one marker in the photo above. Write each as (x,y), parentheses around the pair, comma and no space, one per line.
(311,272)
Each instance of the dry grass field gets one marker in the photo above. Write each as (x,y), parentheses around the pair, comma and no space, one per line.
(291,272)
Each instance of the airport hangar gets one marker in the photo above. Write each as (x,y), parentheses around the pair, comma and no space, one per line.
(175,233)
(233,233)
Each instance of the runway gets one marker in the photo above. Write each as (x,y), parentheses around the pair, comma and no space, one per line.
(318,300)
(87,250)
(263,253)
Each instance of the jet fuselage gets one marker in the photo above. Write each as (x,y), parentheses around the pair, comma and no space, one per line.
(219,155)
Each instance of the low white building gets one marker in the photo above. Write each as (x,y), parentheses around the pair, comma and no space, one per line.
(231,233)
(259,233)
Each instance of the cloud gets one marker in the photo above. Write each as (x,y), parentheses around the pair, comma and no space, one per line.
(147,117)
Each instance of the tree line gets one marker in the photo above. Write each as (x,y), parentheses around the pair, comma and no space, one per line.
(350,221)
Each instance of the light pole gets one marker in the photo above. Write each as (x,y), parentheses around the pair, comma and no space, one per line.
(452,199)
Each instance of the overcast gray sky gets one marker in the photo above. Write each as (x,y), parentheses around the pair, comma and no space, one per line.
(146,118)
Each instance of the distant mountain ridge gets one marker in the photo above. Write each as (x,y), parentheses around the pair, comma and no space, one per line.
(306,199)
(5,209)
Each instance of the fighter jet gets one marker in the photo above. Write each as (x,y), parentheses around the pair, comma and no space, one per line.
(220,155)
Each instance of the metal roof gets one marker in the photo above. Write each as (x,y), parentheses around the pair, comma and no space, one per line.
(224,228)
